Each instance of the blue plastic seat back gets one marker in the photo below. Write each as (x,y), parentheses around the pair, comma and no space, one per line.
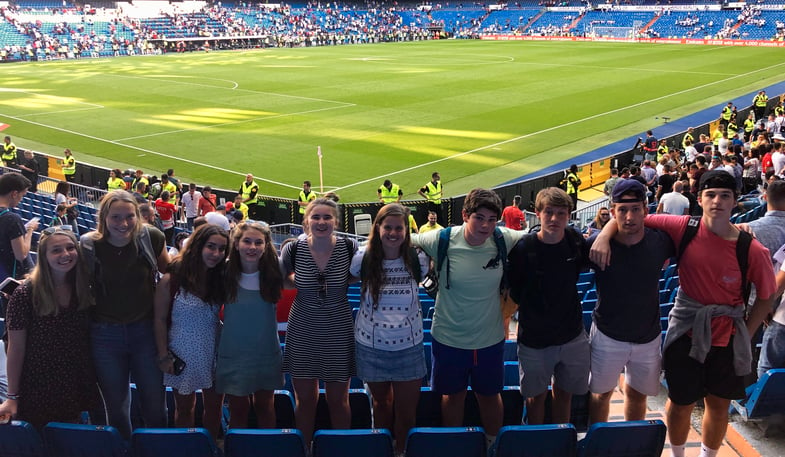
(768,395)
(553,440)
(19,439)
(342,443)
(446,442)
(624,439)
(172,442)
(82,440)
(264,443)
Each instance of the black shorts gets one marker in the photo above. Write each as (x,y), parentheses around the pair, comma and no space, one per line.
(689,380)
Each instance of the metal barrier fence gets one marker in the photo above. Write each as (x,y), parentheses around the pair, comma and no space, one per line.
(282,232)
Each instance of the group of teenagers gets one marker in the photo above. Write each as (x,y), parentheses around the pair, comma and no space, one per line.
(92,311)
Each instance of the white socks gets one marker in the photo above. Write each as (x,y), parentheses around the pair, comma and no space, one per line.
(707,452)
(677,451)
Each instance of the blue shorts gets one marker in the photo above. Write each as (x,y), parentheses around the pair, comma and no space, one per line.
(455,369)
(375,365)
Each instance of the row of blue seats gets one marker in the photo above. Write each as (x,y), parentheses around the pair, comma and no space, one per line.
(634,438)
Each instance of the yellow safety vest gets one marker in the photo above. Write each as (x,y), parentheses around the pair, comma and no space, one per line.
(246,191)
(571,189)
(146,184)
(9,152)
(749,125)
(662,150)
(306,198)
(434,192)
(69,165)
(170,187)
(391,195)
(726,113)
(761,100)
(115,184)
(687,136)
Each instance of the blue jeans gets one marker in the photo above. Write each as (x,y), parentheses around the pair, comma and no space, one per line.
(772,353)
(125,353)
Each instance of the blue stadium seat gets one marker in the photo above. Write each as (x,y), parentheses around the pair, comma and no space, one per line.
(589,305)
(446,442)
(587,319)
(764,398)
(284,409)
(342,443)
(511,374)
(512,401)
(427,323)
(624,439)
(510,351)
(428,350)
(360,404)
(19,439)
(81,440)
(264,443)
(535,441)
(172,442)
(429,408)
(591,294)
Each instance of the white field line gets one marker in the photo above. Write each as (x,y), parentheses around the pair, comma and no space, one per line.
(148,151)
(557,127)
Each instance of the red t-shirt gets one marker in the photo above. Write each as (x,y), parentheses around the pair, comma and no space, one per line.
(709,270)
(206,206)
(166,212)
(512,217)
(766,162)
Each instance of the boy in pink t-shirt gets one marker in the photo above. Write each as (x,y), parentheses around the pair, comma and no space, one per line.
(702,363)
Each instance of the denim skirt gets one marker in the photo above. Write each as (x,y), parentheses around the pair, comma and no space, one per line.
(374,365)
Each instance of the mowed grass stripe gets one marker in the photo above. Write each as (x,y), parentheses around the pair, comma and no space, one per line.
(374,109)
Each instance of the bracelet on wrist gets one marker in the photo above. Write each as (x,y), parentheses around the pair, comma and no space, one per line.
(12,396)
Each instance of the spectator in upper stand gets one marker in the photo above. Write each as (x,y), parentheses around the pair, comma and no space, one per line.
(752,171)
(778,159)
(166,212)
(608,187)
(600,219)
(674,202)
(432,223)
(690,152)
(139,193)
(115,181)
(62,191)
(770,229)
(389,192)
(625,333)
(129,179)
(700,146)
(30,169)
(191,201)
(665,182)
(241,207)
(716,163)
(14,235)
(650,145)
(772,353)
(141,178)
(513,216)
(649,175)
(701,167)
(218,217)
(716,136)
(207,202)
(59,218)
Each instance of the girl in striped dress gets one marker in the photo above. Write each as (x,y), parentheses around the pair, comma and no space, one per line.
(320,336)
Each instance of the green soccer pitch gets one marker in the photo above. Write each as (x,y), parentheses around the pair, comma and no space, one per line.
(480,113)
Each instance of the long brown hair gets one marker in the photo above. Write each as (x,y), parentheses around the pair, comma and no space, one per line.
(42,283)
(270,278)
(191,271)
(373,273)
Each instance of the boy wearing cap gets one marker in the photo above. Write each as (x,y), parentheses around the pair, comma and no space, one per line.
(552,343)
(707,351)
(625,333)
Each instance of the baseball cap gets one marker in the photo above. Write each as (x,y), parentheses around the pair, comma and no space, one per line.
(717,179)
(220,207)
(628,186)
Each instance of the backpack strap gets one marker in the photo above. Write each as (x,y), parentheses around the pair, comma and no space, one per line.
(501,255)
(145,247)
(689,233)
(441,253)
(743,244)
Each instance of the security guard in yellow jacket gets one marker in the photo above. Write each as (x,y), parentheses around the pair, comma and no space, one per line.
(9,153)
(389,192)
(305,197)
(249,191)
